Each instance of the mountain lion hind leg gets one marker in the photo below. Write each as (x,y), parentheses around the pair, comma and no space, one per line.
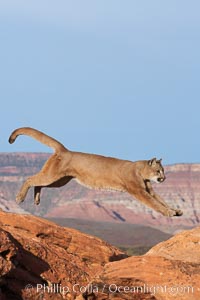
(60,182)
(37,192)
(45,178)
(38,181)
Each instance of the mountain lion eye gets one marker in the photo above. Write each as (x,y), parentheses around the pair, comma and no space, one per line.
(158,172)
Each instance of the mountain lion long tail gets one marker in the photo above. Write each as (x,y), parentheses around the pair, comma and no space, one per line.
(38,135)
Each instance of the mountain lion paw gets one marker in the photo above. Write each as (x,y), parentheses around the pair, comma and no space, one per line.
(173,213)
(178,212)
(19,199)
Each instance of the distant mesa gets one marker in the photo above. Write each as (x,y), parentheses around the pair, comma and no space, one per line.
(180,189)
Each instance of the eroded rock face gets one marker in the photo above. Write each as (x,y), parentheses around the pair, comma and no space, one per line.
(184,246)
(37,256)
(40,260)
(170,270)
(152,276)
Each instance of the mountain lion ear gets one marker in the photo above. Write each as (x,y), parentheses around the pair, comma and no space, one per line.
(159,161)
(152,161)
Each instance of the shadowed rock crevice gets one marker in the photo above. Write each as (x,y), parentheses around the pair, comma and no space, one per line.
(16,267)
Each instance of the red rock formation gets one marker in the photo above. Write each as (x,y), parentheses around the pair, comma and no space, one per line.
(170,270)
(183,246)
(152,277)
(40,260)
(37,255)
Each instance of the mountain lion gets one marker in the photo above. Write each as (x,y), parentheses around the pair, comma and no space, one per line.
(95,171)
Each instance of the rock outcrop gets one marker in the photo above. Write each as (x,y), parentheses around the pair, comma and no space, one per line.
(41,260)
(37,257)
(184,246)
(170,270)
(152,277)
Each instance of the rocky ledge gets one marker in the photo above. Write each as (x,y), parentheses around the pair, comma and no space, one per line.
(41,260)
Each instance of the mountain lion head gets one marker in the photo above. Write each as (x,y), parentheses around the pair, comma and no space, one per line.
(156,170)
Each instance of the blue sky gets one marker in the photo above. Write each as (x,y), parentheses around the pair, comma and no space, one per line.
(118,78)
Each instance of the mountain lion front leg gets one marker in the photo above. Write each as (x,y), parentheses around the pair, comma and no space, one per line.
(152,202)
(177,212)
(150,190)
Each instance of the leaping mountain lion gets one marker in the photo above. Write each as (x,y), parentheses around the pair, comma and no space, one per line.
(95,171)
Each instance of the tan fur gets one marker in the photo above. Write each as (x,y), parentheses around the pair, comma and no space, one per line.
(95,171)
